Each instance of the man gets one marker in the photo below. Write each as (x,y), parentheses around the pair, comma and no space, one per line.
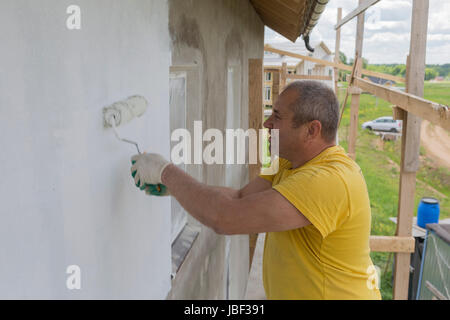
(315,210)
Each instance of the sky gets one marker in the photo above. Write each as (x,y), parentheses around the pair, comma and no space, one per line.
(386,31)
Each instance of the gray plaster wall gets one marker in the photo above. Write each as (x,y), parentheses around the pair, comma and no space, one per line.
(207,38)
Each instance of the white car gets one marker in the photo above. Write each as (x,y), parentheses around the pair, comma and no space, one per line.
(384,124)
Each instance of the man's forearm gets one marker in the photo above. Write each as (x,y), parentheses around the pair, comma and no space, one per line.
(205,203)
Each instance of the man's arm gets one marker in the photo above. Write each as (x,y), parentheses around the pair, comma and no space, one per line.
(256,185)
(258,208)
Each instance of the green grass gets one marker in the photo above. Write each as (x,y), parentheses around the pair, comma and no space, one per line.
(438,92)
(380,160)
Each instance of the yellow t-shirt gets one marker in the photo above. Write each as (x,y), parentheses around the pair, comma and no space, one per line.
(328,259)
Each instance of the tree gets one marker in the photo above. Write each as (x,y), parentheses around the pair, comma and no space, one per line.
(399,70)
(343,57)
(365,62)
(430,74)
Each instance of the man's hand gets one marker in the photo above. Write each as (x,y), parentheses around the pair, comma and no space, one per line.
(147,169)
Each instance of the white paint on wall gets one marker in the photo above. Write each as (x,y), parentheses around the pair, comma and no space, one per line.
(66,193)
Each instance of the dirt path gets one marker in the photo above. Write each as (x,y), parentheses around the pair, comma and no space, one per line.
(436,142)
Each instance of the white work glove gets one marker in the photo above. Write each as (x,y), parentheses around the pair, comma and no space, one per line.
(147,169)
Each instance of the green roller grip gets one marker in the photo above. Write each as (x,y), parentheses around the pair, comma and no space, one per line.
(156,189)
(133,174)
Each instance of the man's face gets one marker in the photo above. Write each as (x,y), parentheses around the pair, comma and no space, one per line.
(290,139)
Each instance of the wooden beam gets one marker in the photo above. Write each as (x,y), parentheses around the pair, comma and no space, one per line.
(398,113)
(255,97)
(354,104)
(410,143)
(275,86)
(363,6)
(349,90)
(266,68)
(268,48)
(436,293)
(283,73)
(382,75)
(337,46)
(435,113)
(306,77)
(255,119)
(391,244)
(353,130)
(340,66)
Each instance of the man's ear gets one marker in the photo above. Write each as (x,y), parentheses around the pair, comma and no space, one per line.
(314,129)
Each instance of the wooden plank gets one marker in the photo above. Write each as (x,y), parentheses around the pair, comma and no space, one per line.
(349,88)
(255,103)
(283,74)
(363,6)
(391,244)
(407,73)
(340,66)
(272,68)
(337,46)
(354,90)
(275,86)
(354,105)
(359,42)
(382,75)
(353,130)
(398,113)
(255,119)
(410,143)
(401,275)
(439,295)
(435,113)
(308,77)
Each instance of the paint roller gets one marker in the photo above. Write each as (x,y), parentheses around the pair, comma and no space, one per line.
(122,112)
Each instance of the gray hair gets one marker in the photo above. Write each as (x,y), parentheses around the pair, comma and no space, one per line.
(315,101)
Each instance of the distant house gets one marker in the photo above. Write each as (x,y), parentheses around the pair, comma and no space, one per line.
(438,79)
(321,51)
(296,66)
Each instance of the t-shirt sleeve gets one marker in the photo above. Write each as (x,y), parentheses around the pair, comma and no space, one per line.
(320,195)
(266,177)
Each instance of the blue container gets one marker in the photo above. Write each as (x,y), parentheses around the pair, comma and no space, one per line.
(428,211)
